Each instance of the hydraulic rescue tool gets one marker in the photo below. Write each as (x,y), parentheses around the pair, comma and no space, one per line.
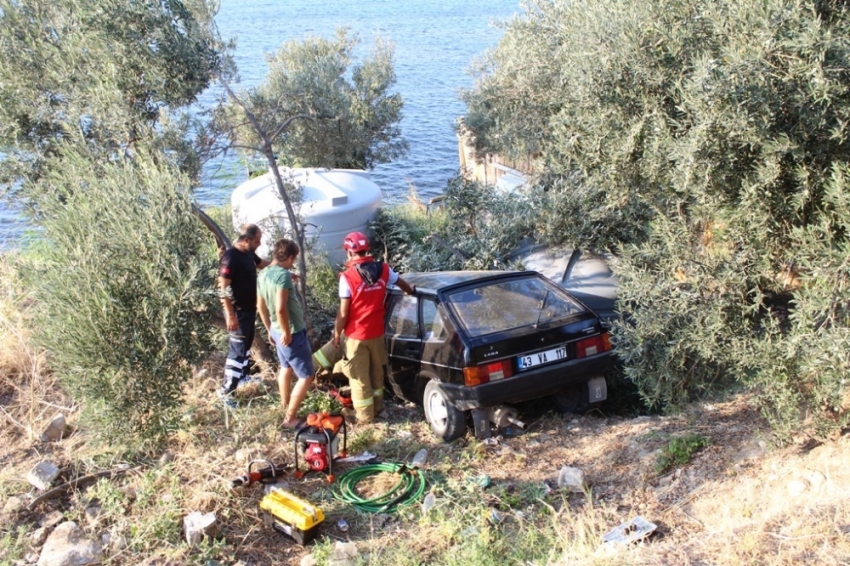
(268,474)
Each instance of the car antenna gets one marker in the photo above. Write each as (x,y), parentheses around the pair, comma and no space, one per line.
(542,306)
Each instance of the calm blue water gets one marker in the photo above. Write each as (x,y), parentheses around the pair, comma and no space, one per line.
(435,42)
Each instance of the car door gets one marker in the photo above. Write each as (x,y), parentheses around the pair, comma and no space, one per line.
(404,344)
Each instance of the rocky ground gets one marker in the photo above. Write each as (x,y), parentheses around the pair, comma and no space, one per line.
(738,500)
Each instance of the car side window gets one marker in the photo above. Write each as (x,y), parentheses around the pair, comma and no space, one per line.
(403,319)
(432,321)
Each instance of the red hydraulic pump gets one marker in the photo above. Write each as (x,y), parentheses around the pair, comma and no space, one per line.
(319,442)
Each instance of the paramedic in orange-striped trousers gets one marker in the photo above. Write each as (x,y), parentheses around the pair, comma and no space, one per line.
(362,292)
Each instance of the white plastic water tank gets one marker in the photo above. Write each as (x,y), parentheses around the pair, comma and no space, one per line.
(334,202)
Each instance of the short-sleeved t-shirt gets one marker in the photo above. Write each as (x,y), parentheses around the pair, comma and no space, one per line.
(241,268)
(345,290)
(270,281)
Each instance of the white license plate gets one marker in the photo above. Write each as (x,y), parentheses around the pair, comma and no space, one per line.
(540,358)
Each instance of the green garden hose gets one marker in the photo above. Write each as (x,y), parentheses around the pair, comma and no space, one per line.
(410,487)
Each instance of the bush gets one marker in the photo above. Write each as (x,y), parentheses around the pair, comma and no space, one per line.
(123,284)
(680,450)
(476,227)
(703,143)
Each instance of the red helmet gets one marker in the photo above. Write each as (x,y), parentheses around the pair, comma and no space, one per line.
(356,242)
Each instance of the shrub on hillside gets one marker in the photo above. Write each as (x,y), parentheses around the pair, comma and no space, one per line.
(704,142)
(122,279)
(474,229)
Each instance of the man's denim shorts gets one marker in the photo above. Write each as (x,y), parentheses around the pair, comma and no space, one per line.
(297,355)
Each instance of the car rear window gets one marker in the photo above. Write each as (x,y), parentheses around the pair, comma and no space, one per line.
(515,303)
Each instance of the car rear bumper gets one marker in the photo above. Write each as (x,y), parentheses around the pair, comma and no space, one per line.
(528,385)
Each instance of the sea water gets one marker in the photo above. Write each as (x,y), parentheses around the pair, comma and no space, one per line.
(435,44)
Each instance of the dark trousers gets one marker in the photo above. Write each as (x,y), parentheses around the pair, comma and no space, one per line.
(236,365)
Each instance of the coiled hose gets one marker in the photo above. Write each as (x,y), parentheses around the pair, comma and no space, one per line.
(410,487)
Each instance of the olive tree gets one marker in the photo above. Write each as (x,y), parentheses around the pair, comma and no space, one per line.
(106,72)
(317,107)
(122,278)
(92,136)
(706,143)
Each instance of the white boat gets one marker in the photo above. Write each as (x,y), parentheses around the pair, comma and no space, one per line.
(334,202)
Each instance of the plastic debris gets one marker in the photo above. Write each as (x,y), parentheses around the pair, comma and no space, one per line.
(629,531)
(419,459)
(480,481)
(342,525)
(429,503)
(364,457)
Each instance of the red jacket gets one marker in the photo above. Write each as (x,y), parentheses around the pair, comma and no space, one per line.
(366,312)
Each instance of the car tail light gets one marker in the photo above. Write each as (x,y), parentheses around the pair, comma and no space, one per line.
(594,345)
(485,373)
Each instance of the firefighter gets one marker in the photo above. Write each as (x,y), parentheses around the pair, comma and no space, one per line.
(362,290)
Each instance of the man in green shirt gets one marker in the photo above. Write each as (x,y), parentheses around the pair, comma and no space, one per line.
(283,317)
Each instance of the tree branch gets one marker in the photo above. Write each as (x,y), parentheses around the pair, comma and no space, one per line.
(250,115)
(286,123)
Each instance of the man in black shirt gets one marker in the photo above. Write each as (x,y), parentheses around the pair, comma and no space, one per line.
(237,281)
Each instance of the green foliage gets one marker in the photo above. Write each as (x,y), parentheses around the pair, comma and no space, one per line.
(475,229)
(683,317)
(704,142)
(680,450)
(103,71)
(322,296)
(318,401)
(122,289)
(352,117)
(13,542)
(158,507)
(802,359)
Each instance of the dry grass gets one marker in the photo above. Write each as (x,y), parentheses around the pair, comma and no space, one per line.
(736,502)
(29,396)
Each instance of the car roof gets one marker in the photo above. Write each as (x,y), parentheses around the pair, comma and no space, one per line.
(436,280)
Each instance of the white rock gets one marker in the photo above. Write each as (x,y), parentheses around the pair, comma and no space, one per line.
(43,474)
(31,558)
(344,554)
(67,545)
(38,536)
(118,542)
(571,479)
(817,480)
(197,525)
(113,542)
(308,560)
(797,487)
(93,514)
(51,519)
(55,430)
(13,505)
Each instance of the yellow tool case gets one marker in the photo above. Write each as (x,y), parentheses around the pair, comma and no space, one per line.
(291,515)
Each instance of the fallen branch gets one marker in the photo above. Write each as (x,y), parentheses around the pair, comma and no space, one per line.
(75,483)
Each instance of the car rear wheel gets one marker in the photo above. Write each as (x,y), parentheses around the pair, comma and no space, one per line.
(447,422)
(572,399)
